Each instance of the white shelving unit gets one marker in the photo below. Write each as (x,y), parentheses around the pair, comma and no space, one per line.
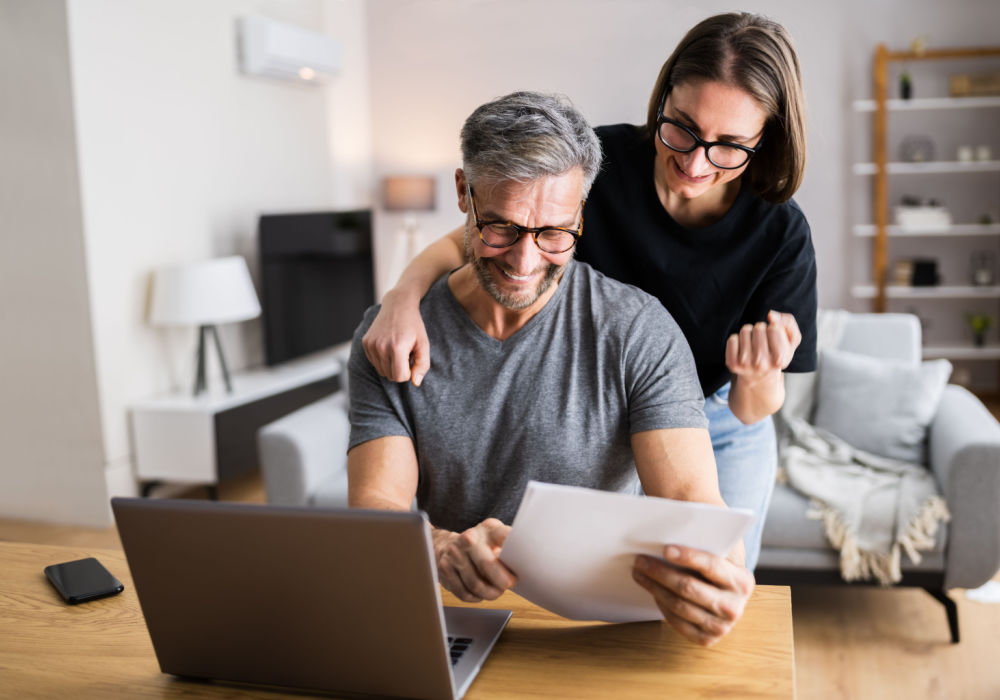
(958,113)
(869,230)
(930,168)
(929,103)
(895,291)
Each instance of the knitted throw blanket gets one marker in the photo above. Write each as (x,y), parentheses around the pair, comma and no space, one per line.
(873,508)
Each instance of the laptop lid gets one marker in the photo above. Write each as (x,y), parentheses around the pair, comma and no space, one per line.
(336,600)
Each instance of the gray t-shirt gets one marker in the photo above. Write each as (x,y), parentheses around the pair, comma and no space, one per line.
(555,402)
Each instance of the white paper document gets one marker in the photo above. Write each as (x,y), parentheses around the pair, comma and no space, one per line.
(573,548)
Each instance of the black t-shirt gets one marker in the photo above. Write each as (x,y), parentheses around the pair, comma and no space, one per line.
(759,256)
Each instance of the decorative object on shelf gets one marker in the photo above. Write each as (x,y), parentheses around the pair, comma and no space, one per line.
(905,85)
(985,220)
(921,213)
(925,273)
(983,268)
(974,84)
(964,154)
(984,152)
(916,149)
(408,194)
(979,323)
(902,273)
(204,294)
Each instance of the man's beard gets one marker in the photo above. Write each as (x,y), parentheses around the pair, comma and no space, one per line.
(515,302)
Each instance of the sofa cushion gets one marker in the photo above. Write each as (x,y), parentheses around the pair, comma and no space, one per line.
(788,526)
(331,492)
(877,405)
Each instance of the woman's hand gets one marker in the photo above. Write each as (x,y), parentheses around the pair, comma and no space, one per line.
(763,347)
(396,343)
(757,356)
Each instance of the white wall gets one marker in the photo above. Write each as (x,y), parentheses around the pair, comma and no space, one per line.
(179,155)
(434,61)
(52,458)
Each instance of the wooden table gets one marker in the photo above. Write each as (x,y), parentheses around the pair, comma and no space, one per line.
(101,649)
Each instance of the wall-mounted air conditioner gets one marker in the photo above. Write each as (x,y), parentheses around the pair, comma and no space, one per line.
(286,52)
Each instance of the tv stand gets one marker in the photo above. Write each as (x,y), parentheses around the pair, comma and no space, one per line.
(206,439)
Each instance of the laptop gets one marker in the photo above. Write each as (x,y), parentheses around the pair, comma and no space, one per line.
(340,600)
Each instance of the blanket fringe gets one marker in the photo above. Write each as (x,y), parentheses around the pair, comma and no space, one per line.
(921,531)
(859,565)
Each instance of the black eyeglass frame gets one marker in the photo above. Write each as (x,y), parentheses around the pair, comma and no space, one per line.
(523,230)
(700,142)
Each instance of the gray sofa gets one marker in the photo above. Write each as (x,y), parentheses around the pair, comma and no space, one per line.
(303,461)
(964,457)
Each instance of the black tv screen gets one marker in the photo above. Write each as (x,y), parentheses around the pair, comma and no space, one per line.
(316,280)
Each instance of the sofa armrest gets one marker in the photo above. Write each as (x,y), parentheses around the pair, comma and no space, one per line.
(964,448)
(304,448)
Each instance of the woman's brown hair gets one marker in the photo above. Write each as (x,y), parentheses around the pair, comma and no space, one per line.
(754,54)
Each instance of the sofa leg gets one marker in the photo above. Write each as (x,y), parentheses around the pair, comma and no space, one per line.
(950,608)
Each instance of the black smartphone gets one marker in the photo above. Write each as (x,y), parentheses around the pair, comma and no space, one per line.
(82,580)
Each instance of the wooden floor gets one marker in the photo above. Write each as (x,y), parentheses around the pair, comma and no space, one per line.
(849,643)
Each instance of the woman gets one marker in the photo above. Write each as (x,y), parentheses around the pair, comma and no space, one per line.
(695,208)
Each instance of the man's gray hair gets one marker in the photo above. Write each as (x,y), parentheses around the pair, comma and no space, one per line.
(525,136)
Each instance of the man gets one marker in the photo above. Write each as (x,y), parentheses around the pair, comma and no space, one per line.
(544,369)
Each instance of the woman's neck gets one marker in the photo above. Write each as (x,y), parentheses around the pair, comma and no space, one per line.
(700,211)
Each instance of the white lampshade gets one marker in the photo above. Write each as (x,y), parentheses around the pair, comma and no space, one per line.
(207,292)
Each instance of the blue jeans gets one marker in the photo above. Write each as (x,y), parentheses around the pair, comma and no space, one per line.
(747,459)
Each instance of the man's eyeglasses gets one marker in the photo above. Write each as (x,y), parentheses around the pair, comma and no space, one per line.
(503,234)
(721,154)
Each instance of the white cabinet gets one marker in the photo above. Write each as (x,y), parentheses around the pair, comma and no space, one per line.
(211,437)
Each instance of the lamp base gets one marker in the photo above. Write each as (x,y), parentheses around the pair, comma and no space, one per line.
(199,382)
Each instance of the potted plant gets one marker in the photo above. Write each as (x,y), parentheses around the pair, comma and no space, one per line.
(905,85)
(979,323)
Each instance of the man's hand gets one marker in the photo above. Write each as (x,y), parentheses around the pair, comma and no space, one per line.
(396,343)
(468,563)
(763,347)
(701,595)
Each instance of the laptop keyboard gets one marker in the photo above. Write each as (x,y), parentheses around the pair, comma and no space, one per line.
(457,647)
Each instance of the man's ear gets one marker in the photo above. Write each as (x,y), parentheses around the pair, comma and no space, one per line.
(461,190)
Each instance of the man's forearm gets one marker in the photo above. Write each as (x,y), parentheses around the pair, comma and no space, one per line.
(382,474)
(374,501)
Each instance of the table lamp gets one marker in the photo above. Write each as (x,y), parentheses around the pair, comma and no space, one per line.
(205,294)
(408,194)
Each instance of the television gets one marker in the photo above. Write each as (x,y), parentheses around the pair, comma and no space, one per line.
(317,280)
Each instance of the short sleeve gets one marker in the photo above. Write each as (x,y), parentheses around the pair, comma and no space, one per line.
(660,374)
(375,406)
(790,287)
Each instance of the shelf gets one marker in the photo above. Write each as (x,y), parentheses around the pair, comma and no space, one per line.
(960,351)
(929,103)
(867,291)
(868,230)
(935,166)
(251,385)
